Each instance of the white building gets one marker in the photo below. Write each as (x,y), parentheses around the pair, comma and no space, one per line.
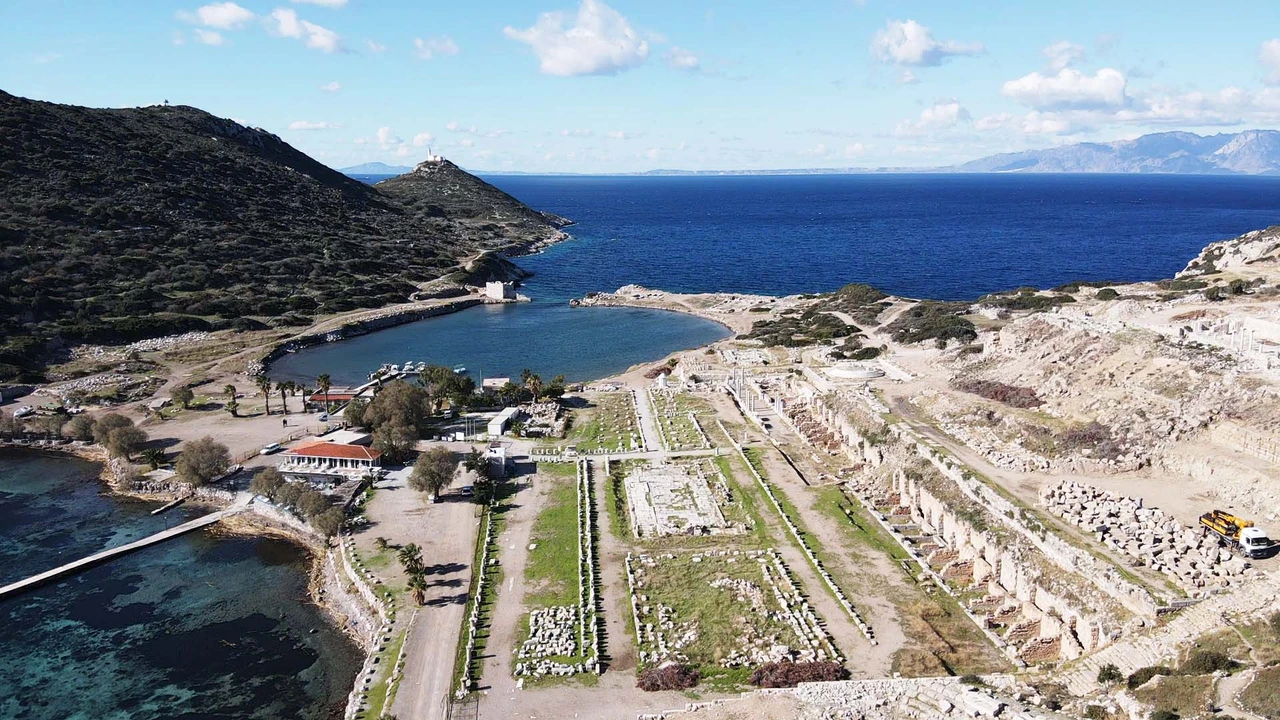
(498,425)
(500,291)
(326,462)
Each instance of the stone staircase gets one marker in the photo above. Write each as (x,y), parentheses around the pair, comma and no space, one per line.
(1161,645)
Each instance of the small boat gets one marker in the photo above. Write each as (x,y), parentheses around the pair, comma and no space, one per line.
(459,369)
(24,411)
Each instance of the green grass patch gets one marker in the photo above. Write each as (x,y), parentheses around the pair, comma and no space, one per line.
(378,696)
(551,570)
(1262,696)
(1185,695)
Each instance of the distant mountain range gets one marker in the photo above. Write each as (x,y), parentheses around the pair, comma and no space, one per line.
(375,168)
(1252,152)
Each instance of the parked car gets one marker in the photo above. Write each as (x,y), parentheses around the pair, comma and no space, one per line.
(269,449)
(468,489)
(324,417)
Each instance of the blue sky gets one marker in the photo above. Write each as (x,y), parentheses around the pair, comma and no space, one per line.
(625,85)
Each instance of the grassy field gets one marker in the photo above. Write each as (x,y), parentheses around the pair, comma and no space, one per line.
(551,570)
(1263,694)
(1186,695)
(671,410)
(609,423)
(722,622)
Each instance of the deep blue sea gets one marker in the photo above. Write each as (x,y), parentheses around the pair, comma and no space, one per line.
(947,237)
(204,626)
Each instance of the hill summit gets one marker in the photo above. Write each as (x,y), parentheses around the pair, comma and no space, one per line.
(120,224)
(1251,152)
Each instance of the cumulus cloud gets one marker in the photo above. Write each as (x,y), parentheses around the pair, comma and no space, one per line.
(224,16)
(209,37)
(431,47)
(577,133)
(1063,54)
(326,3)
(310,125)
(286,23)
(423,139)
(941,115)
(375,47)
(600,41)
(332,87)
(680,59)
(907,78)
(911,44)
(617,135)
(1269,57)
(1069,89)
(455,126)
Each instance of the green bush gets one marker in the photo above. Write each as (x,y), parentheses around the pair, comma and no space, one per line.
(1107,294)
(1095,712)
(1206,662)
(933,320)
(1142,675)
(1108,674)
(1164,715)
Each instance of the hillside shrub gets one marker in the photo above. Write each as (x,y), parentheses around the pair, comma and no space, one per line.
(1140,676)
(1108,674)
(933,320)
(1011,395)
(668,677)
(790,674)
(1206,662)
(1106,294)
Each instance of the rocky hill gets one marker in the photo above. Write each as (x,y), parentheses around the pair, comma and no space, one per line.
(119,224)
(1252,152)
(1251,251)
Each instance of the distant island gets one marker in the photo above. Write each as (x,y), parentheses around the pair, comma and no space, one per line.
(375,168)
(1250,152)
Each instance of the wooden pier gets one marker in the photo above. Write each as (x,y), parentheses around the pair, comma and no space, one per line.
(105,555)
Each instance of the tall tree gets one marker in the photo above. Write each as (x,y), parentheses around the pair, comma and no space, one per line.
(418,586)
(282,387)
(323,383)
(410,556)
(433,471)
(182,395)
(264,386)
(202,460)
(230,391)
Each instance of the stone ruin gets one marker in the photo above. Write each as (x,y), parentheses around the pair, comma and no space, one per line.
(663,637)
(678,499)
(1035,616)
(1189,556)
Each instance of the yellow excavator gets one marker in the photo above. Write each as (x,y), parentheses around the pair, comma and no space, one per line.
(1237,532)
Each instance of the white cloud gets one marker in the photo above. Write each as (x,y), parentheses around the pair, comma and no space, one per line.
(617,135)
(288,24)
(431,47)
(310,125)
(423,139)
(385,136)
(1269,57)
(1063,54)
(209,37)
(908,78)
(1069,89)
(600,42)
(326,3)
(653,153)
(941,115)
(854,150)
(332,87)
(224,16)
(375,47)
(577,133)
(911,44)
(455,126)
(680,59)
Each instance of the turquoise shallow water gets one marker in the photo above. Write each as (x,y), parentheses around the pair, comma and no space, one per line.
(204,626)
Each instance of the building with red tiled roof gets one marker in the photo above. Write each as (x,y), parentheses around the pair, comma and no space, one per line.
(328,462)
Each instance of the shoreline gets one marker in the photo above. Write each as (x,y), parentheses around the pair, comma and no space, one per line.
(343,608)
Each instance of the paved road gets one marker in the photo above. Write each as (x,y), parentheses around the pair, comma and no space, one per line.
(447,533)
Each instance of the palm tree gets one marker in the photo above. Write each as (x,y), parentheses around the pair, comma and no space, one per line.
(410,557)
(283,388)
(323,383)
(418,586)
(264,385)
(155,457)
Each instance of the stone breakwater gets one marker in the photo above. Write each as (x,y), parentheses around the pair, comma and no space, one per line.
(380,320)
(1191,558)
